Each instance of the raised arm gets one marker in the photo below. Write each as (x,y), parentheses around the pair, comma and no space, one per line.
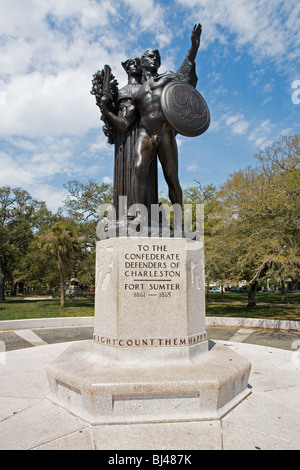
(195,39)
(187,70)
(121,124)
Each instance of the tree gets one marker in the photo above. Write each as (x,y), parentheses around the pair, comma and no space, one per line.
(83,200)
(206,196)
(20,217)
(261,208)
(82,205)
(38,268)
(2,292)
(63,242)
(280,164)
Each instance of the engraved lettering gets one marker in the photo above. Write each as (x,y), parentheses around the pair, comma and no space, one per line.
(151,263)
(146,342)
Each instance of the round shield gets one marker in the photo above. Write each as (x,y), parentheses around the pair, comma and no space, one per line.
(185,109)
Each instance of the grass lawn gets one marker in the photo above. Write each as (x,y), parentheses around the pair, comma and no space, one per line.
(274,312)
(272,298)
(20,309)
(268,306)
(231,305)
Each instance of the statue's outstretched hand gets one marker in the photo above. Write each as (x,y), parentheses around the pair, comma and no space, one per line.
(196,33)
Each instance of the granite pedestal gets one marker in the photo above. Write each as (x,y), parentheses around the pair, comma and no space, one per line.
(149,360)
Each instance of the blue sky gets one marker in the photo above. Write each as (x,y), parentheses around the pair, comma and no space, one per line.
(50,128)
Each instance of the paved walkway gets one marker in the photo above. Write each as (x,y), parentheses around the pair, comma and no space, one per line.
(267,419)
(22,338)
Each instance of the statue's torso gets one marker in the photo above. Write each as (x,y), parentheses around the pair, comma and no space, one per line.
(147,101)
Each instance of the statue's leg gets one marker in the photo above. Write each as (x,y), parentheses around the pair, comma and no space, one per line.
(142,157)
(168,156)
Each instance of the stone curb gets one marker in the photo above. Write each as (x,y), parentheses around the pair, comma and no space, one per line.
(254,323)
(46,323)
(89,321)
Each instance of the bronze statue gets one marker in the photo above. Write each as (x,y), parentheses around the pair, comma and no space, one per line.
(124,145)
(155,108)
(120,99)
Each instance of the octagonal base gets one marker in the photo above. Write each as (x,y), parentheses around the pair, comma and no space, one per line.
(103,391)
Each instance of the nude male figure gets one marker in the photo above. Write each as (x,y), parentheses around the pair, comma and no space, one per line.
(156,136)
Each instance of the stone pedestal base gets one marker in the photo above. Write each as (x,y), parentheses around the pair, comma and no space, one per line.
(149,299)
(105,392)
(149,359)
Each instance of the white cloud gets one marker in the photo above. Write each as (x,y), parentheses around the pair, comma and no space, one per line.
(89,13)
(35,164)
(257,25)
(192,168)
(49,52)
(163,39)
(13,173)
(240,127)
(38,105)
(30,162)
(260,136)
(150,16)
(16,173)
(287,131)
(19,18)
(180,141)
(2,93)
(52,195)
(107,180)
(237,123)
(100,143)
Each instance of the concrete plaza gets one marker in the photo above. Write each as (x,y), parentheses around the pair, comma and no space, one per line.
(268,419)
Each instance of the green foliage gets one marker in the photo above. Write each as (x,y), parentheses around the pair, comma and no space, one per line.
(82,205)
(83,200)
(65,244)
(25,222)
(62,240)
(21,217)
(258,234)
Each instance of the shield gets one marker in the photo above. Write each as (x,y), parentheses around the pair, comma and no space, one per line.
(185,109)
